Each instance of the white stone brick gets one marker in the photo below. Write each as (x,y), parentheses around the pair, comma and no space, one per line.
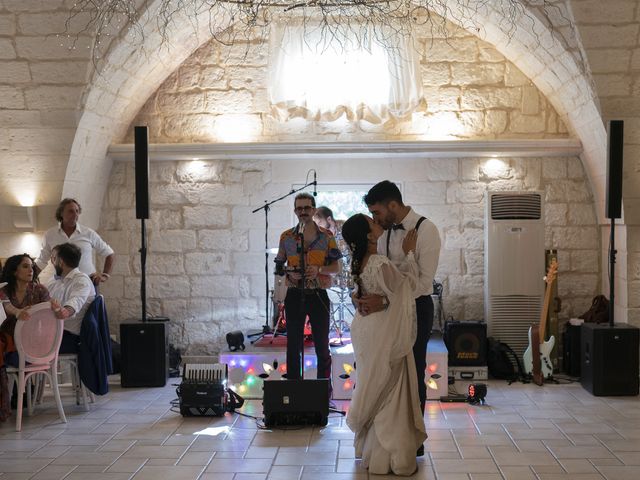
(466,285)
(7,24)
(19,118)
(473,215)
(473,262)
(585,261)
(555,214)
(213,76)
(161,286)
(172,241)
(162,264)
(582,214)
(250,78)
(46,48)
(211,263)
(602,36)
(578,284)
(554,168)
(442,169)
(166,219)
(466,192)
(567,190)
(231,101)
(513,77)
(530,101)
(53,97)
(435,74)
(215,286)
(469,239)
(188,77)
(452,50)
(519,123)
(67,72)
(574,168)
(495,121)
(11,97)
(488,53)
(609,60)
(14,72)
(472,123)
(206,216)
(443,216)
(442,98)
(424,193)
(591,11)
(481,98)
(6,49)
(225,240)
(182,102)
(574,237)
(477,74)
(449,264)
(469,169)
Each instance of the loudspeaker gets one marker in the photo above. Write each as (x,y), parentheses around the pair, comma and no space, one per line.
(141,135)
(571,345)
(610,359)
(614,169)
(466,343)
(145,354)
(296,402)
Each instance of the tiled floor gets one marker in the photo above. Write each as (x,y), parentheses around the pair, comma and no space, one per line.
(524,432)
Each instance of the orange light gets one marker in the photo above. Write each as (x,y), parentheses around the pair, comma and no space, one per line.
(283,367)
(433,367)
(250,370)
(347,368)
(347,385)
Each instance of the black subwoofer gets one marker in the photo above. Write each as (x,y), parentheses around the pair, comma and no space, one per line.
(610,359)
(466,343)
(296,402)
(145,354)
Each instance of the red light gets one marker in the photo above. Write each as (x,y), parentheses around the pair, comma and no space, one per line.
(250,370)
(433,367)
(283,367)
(347,385)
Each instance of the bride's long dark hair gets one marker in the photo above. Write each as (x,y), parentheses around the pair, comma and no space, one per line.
(354,232)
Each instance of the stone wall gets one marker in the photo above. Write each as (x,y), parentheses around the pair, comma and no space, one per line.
(205,268)
(471,92)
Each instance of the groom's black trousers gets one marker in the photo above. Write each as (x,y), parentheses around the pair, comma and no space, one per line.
(424,314)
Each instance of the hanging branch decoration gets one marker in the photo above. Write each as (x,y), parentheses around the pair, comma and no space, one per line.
(233,21)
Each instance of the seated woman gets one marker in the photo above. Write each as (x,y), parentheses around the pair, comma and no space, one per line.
(21,291)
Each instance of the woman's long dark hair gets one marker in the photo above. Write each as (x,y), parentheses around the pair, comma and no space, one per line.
(9,271)
(354,232)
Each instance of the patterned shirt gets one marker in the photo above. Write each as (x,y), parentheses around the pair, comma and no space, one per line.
(321,252)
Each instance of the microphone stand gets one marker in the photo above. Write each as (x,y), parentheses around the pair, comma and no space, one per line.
(266,328)
(303,267)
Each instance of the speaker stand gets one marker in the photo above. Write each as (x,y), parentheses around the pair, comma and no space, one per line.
(143,270)
(612,271)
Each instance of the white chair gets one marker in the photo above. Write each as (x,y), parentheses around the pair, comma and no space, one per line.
(71,362)
(37,341)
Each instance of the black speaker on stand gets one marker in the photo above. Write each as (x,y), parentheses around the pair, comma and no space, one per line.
(145,349)
(610,352)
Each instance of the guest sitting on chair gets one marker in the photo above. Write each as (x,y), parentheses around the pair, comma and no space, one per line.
(73,290)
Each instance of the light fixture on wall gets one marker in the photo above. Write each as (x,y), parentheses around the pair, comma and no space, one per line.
(24,218)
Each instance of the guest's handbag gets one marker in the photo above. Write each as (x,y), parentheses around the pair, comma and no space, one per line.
(598,312)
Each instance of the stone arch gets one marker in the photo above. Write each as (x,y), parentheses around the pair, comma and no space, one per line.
(129,77)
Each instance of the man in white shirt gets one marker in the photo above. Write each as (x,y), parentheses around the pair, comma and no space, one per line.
(384,201)
(74,292)
(69,230)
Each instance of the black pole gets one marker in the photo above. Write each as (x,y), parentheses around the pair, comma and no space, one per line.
(143,278)
(303,267)
(265,327)
(612,271)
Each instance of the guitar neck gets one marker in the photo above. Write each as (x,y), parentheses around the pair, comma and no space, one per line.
(545,311)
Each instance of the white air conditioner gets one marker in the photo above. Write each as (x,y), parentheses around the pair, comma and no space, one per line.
(513,265)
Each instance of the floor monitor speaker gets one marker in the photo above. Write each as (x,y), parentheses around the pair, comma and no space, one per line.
(141,137)
(466,343)
(614,169)
(296,402)
(145,354)
(610,359)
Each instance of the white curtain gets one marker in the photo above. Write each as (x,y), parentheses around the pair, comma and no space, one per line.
(317,76)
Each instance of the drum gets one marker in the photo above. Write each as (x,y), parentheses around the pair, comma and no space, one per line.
(279,288)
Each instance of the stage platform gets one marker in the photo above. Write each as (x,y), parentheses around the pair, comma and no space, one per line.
(249,368)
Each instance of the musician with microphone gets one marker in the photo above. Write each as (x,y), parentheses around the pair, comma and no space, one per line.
(308,255)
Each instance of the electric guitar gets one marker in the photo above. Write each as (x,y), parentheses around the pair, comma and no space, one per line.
(536,357)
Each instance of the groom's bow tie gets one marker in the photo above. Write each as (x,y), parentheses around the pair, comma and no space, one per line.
(399,226)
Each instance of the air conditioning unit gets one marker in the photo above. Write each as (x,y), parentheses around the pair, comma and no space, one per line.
(514,265)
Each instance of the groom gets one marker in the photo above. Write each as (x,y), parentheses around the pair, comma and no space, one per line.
(385,204)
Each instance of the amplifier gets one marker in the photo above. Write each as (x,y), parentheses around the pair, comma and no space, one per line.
(466,342)
(469,374)
(203,391)
(296,402)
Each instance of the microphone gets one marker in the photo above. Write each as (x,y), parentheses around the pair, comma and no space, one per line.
(315,193)
(301,228)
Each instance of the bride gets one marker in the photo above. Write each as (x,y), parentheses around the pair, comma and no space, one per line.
(385,410)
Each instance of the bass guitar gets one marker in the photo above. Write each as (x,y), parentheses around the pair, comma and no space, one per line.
(537,356)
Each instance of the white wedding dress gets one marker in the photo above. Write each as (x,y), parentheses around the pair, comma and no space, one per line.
(385,412)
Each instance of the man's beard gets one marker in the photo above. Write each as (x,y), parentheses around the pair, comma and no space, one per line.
(58,270)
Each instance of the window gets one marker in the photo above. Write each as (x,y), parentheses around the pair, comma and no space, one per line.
(320,77)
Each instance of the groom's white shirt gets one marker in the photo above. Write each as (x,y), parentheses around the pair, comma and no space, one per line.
(427,249)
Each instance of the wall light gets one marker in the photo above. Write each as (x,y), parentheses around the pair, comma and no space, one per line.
(24,218)
(495,168)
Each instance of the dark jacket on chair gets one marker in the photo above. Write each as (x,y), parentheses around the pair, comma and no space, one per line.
(94,356)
